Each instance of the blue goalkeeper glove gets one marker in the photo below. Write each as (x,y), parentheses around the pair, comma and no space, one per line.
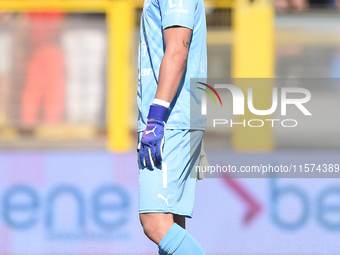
(151,144)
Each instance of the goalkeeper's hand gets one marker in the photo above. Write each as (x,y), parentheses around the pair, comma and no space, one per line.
(151,144)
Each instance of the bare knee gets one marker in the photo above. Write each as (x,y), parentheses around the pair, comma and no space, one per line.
(155,225)
(153,231)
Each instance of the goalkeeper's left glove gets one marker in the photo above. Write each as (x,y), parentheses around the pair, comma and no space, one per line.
(152,141)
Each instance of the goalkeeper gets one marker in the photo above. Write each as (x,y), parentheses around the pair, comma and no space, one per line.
(172,50)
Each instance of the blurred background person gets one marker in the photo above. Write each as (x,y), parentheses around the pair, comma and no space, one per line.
(283,6)
(337,3)
(44,86)
(321,4)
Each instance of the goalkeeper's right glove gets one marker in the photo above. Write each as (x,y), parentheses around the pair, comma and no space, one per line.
(152,141)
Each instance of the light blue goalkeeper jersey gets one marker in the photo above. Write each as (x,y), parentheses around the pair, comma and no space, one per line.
(158,15)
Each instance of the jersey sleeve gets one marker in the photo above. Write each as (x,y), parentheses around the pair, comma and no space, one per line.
(178,13)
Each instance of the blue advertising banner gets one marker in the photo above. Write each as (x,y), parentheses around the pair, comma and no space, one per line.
(87,203)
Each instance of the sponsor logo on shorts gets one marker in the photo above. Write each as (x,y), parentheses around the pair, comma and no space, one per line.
(162,197)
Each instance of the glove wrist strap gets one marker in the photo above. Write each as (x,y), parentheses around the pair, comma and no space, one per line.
(157,112)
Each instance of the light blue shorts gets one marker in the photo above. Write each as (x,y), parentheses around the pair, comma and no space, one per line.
(169,188)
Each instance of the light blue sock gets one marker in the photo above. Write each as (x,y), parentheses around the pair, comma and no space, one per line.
(189,246)
(178,241)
